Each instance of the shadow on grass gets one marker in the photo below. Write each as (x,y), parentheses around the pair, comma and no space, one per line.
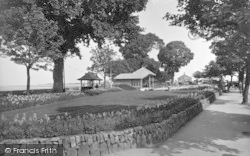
(209,132)
(77,110)
(164,97)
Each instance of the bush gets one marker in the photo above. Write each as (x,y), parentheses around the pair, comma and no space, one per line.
(92,123)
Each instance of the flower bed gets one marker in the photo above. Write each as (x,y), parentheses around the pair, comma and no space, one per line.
(189,88)
(93,123)
(12,102)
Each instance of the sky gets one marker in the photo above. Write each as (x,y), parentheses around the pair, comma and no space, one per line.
(151,19)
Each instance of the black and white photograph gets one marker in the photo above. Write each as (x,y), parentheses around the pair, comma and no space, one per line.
(124,77)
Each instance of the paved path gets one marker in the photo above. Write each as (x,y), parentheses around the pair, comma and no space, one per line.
(220,130)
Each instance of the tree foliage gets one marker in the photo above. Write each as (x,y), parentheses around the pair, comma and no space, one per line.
(216,20)
(213,70)
(230,64)
(80,21)
(101,59)
(27,26)
(211,19)
(174,56)
(31,40)
(198,74)
(141,45)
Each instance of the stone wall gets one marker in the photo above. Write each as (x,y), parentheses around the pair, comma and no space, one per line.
(110,142)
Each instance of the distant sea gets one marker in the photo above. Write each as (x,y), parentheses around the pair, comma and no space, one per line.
(41,86)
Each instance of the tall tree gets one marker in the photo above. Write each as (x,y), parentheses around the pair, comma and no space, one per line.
(101,59)
(28,38)
(136,50)
(236,48)
(80,21)
(213,70)
(140,46)
(174,56)
(24,55)
(215,19)
(230,64)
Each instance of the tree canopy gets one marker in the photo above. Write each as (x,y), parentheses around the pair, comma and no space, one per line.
(213,70)
(198,74)
(78,21)
(211,19)
(31,40)
(141,45)
(101,59)
(175,55)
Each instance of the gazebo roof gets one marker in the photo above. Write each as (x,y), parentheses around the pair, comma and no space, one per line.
(89,76)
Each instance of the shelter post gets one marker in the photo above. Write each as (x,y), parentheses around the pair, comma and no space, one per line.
(141,83)
(81,86)
(149,85)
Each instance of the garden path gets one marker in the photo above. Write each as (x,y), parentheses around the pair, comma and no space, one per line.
(222,129)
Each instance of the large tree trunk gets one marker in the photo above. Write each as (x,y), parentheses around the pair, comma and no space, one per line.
(220,85)
(241,80)
(58,75)
(104,81)
(172,79)
(171,75)
(28,80)
(246,88)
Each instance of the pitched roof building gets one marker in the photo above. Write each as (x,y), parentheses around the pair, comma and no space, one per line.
(139,78)
(184,78)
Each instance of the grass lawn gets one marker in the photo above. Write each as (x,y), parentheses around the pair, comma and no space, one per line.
(105,102)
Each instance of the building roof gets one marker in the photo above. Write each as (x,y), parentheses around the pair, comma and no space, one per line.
(138,74)
(184,76)
(89,76)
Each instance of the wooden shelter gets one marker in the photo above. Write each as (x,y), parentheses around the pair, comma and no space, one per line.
(139,79)
(89,81)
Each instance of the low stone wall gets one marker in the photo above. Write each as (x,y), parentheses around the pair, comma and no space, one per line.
(206,102)
(110,142)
